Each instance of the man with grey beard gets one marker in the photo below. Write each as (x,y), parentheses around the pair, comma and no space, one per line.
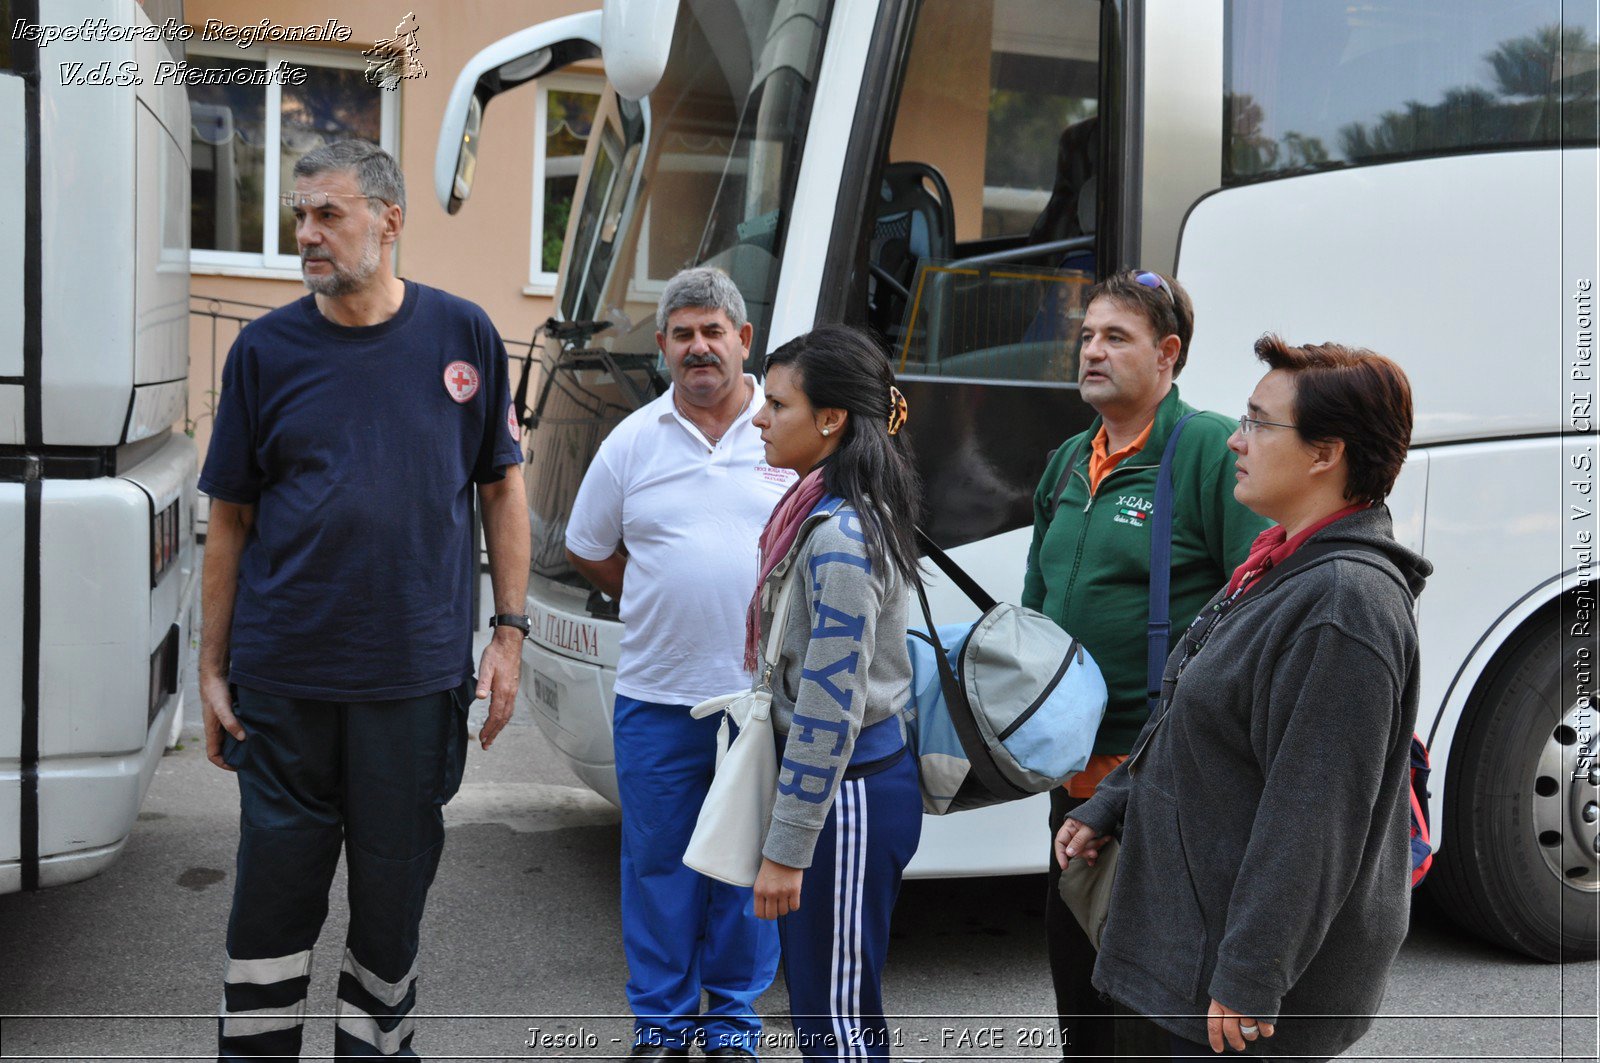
(335,656)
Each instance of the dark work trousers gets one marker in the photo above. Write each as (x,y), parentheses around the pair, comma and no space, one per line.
(1183,1048)
(371,777)
(1092,1027)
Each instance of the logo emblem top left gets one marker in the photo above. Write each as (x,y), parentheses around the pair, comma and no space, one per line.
(461,380)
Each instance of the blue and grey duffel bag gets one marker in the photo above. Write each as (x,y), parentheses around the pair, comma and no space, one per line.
(1002,708)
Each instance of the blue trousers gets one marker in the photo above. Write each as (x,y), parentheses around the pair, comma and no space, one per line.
(835,944)
(371,777)
(682,933)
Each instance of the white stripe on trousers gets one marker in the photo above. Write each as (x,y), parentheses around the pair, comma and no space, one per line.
(849,873)
(390,993)
(363,1027)
(262,1020)
(267,971)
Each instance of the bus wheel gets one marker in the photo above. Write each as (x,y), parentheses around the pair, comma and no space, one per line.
(1518,861)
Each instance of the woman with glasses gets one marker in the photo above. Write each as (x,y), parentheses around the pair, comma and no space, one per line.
(1263,885)
(848,814)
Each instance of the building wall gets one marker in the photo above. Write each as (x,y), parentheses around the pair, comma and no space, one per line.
(944,103)
(481,253)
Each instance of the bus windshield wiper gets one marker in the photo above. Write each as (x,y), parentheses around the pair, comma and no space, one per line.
(576,355)
(574,333)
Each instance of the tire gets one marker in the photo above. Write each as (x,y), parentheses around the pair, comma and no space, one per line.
(1518,863)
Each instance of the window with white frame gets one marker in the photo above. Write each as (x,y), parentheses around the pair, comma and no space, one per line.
(246,139)
(563,116)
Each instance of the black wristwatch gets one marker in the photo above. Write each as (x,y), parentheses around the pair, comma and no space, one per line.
(520,621)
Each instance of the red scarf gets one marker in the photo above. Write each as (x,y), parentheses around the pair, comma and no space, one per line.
(776,540)
(1273,547)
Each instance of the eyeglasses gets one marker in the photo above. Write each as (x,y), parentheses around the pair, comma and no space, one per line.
(1250,424)
(1155,280)
(318,200)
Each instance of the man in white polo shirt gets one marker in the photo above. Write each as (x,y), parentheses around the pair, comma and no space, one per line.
(666,522)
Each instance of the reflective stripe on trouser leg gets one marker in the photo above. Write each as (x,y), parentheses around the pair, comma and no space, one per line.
(374,1016)
(289,835)
(681,931)
(835,944)
(401,766)
(263,1005)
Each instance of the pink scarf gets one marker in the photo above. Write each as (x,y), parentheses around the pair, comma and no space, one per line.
(776,540)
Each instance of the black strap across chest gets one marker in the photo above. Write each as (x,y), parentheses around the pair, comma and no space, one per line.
(1158,631)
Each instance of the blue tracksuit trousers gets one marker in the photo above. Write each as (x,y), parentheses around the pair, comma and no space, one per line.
(835,945)
(681,932)
(371,777)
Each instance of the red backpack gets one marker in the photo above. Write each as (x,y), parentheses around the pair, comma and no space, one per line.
(1421,837)
(1421,840)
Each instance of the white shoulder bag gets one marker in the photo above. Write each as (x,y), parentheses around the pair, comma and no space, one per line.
(726,844)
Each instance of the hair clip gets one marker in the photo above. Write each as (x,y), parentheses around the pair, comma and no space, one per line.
(899,412)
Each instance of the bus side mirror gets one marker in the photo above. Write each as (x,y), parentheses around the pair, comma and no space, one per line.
(638,39)
(505,64)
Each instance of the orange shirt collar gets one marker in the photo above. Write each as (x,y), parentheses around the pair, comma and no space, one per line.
(1101,463)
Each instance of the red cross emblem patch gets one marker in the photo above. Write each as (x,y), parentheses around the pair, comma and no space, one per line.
(461,380)
(511,423)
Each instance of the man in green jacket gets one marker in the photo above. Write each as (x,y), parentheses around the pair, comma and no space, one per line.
(1089,565)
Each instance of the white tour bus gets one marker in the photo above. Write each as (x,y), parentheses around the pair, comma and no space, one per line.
(97,490)
(954,173)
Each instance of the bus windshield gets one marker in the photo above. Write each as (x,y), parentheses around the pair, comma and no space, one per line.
(720,140)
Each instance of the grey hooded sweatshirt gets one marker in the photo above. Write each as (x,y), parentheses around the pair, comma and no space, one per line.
(843,668)
(1265,857)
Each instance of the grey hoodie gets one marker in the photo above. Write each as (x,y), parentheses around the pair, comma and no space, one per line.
(843,667)
(1265,832)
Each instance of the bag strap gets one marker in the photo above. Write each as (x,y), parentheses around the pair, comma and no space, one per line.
(955,696)
(780,620)
(1264,583)
(1159,628)
(961,712)
(1066,475)
(1158,631)
(780,610)
(969,586)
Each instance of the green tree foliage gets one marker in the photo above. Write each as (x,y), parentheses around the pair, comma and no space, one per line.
(1539,88)
(1252,150)
(569,118)
(1544,93)
(556,214)
(1023,130)
(1553,59)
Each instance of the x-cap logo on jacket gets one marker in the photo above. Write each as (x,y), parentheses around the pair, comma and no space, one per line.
(1131,509)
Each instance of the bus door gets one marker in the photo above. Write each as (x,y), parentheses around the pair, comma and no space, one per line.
(985,201)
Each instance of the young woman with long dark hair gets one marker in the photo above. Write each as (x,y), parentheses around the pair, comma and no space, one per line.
(848,814)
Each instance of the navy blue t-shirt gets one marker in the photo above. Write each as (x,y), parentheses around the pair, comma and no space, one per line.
(359,447)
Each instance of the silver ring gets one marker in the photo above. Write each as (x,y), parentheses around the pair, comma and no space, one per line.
(1248,1031)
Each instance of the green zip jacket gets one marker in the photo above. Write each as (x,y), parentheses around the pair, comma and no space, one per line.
(1089,566)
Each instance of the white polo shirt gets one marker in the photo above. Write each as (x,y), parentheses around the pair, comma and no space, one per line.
(690,515)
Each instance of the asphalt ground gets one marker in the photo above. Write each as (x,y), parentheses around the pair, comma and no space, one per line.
(521,954)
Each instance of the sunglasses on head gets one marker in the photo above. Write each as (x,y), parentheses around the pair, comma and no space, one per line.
(1155,280)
